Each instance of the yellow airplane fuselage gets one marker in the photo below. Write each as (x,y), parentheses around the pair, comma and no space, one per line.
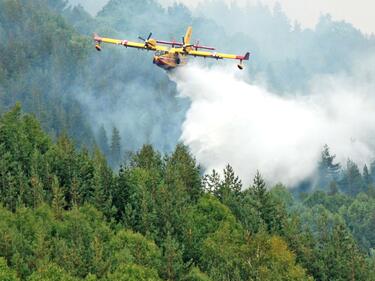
(169,59)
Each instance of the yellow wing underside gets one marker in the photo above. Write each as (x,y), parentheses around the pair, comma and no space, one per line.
(126,43)
(211,55)
(152,46)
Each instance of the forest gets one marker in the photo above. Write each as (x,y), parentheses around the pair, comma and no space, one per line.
(85,196)
(66,215)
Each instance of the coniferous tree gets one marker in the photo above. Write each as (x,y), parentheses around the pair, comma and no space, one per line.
(115,147)
(7,274)
(211,182)
(230,186)
(366,176)
(333,188)
(328,170)
(103,141)
(272,213)
(58,200)
(372,171)
(182,170)
(259,187)
(171,259)
(352,181)
(103,184)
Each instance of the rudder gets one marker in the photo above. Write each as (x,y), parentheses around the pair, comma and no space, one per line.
(188,35)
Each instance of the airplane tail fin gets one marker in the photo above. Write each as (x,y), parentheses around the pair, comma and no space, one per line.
(188,35)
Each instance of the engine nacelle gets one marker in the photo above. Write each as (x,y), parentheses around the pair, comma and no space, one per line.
(98,47)
(240,66)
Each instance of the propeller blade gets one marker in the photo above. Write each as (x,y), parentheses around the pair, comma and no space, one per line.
(149,36)
(183,40)
(139,37)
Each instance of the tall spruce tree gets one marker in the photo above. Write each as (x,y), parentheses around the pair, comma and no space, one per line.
(328,170)
(115,155)
(366,176)
(103,141)
(352,182)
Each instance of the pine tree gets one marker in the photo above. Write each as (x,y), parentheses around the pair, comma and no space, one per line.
(333,189)
(259,187)
(115,148)
(231,181)
(58,200)
(172,259)
(103,182)
(227,189)
(182,170)
(372,171)
(103,141)
(212,182)
(366,176)
(35,181)
(352,181)
(269,211)
(328,170)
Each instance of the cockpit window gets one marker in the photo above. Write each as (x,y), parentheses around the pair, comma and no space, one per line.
(160,53)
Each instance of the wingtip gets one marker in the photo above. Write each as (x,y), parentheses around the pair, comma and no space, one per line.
(96,37)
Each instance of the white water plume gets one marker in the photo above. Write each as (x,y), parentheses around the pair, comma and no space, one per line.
(232,121)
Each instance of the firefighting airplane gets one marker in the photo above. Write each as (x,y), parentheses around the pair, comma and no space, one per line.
(170,58)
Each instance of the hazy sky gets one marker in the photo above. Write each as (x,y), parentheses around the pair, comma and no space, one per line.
(358,12)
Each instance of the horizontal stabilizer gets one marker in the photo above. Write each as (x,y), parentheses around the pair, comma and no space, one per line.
(247,56)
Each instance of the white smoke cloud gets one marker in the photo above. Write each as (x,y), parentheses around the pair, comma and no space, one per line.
(232,121)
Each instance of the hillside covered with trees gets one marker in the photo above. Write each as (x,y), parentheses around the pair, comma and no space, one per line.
(66,215)
(87,195)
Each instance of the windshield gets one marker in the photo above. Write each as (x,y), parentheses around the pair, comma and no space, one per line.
(160,53)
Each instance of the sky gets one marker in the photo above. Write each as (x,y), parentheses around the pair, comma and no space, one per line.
(307,12)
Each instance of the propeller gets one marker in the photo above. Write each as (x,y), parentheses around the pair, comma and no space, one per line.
(196,45)
(145,40)
(184,45)
(173,42)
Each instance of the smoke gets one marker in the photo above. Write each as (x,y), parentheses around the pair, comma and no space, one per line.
(92,6)
(121,88)
(233,121)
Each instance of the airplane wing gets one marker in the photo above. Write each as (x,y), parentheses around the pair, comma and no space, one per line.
(147,45)
(218,56)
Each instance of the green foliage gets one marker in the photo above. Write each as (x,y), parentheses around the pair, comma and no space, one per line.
(6,274)
(270,211)
(328,170)
(35,170)
(51,272)
(133,272)
(231,255)
(196,275)
(66,215)
(134,248)
(182,171)
(202,221)
(40,246)
(353,182)
(172,263)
